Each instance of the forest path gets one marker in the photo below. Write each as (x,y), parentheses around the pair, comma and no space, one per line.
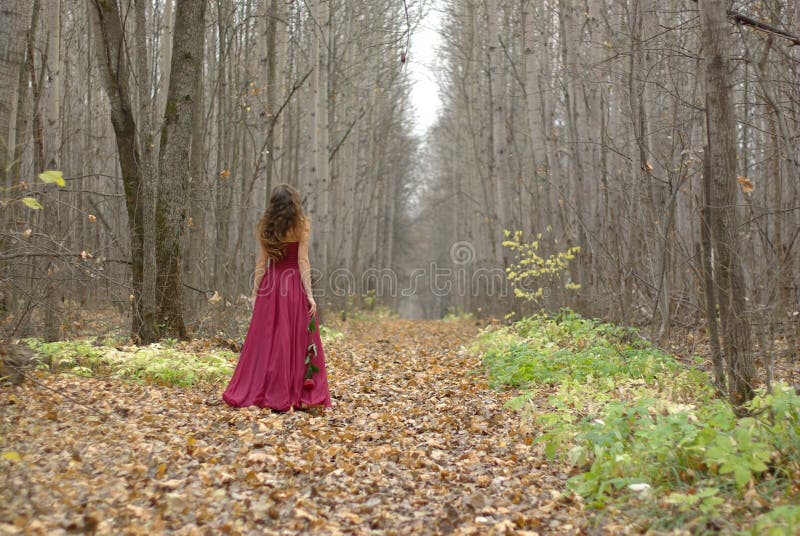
(416,443)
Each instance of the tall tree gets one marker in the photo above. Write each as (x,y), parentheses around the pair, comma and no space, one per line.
(497,139)
(174,162)
(722,212)
(109,35)
(54,84)
(16,14)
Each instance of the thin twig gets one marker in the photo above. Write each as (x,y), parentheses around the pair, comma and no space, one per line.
(408,27)
(346,134)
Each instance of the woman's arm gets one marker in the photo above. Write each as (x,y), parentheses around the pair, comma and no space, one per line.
(261,268)
(305,266)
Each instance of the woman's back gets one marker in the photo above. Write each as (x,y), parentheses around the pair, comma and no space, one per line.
(290,257)
(291,245)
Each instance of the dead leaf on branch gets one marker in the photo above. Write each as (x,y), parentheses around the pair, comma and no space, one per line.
(746,184)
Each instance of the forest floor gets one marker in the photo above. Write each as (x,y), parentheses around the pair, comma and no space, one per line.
(416,443)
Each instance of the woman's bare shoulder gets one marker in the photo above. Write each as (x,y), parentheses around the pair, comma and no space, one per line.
(303,228)
(300,232)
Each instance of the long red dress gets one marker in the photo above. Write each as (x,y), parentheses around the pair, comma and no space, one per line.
(271,368)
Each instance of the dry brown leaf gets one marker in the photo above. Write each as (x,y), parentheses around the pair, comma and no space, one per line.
(416,443)
(746,184)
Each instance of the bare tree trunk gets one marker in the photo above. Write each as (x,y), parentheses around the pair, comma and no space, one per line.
(23,112)
(16,14)
(165,60)
(147,165)
(224,180)
(272,53)
(196,261)
(174,168)
(736,337)
(570,38)
(323,155)
(52,212)
(109,46)
(53,86)
(315,181)
(709,286)
(497,177)
(37,89)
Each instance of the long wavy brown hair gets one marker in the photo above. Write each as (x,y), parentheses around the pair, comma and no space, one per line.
(284,214)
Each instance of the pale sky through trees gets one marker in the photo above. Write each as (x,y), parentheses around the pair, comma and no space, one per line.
(422,63)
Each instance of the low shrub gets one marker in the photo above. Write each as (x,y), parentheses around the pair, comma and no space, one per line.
(642,429)
(161,363)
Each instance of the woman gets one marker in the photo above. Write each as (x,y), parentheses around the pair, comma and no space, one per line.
(271,371)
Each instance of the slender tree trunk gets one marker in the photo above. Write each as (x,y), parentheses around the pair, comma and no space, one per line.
(52,212)
(37,89)
(709,287)
(145,105)
(197,255)
(165,60)
(109,46)
(23,102)
(497,140)
(721,132)
(224,177)
(570,39)
(314,182)
(53,85)
(16,14)
(324,67)
(272,53)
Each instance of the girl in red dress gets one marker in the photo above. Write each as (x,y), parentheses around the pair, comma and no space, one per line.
(271,371)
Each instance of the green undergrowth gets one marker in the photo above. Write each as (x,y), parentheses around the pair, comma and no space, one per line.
(162,363)
(167,362)
(645,433)
(457,315)
(329,334)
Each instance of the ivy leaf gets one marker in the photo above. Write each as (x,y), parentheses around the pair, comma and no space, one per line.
(32,203)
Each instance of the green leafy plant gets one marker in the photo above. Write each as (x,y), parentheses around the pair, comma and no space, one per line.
(329,334)
(531,267)
(782,521)
(158,363)
(629,417)
(457,316)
